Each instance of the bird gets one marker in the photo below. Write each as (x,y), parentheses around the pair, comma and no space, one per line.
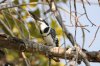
(48,34)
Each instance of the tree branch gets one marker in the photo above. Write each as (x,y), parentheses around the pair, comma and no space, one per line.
(31,46)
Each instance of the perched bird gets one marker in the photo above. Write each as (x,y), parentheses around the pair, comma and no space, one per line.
(48,33)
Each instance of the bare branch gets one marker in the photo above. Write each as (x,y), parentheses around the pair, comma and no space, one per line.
(6,6)
(19,45)
(94,36)
(86,13)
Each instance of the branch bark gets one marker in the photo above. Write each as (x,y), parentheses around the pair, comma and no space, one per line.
(31,46)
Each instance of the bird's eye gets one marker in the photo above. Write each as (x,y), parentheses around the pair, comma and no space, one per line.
(46,29)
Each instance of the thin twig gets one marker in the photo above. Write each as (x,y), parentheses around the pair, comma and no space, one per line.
(23,22)
(83,35)
(13,5)
(70,13)
(88,2)
(86,13)
(94,36)
(6,27)
(5,18)
(75,18)
(14,19)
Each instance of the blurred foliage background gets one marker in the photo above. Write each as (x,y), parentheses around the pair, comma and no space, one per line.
(17,22)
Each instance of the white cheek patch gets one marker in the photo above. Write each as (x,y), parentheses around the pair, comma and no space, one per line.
(43,26)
